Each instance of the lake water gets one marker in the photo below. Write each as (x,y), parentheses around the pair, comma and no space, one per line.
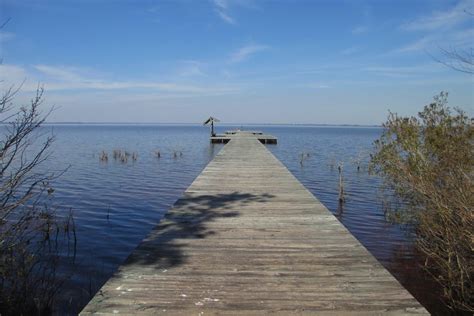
(116,204)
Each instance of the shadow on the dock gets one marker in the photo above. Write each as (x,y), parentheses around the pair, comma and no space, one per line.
(187,221)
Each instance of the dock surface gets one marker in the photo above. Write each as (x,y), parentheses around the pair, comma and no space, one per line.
(227,136)
(247,238)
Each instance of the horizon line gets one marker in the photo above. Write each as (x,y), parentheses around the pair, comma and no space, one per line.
(220,124)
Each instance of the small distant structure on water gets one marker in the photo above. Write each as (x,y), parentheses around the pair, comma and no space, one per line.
(227,136)
(211,121)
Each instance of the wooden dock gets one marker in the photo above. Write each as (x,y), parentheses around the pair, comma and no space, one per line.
(227,136)
(247,238)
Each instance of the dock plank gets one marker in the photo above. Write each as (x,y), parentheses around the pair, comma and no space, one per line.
(247,238)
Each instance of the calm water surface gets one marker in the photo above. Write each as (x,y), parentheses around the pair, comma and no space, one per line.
(116,204)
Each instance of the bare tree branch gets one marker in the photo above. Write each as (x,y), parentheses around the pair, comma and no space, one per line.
(28,253)
(459,60)
(5,23)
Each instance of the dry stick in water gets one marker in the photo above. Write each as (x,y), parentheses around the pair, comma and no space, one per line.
(342,199)
(117,153)
(71,216)
(359,160)
(303,157)
(108,213)
(104,157)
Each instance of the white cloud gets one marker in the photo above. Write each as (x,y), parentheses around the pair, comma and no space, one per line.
(191,68)
(222,7)
(245,52)
(221,4)
(464,37)
(360,29)
(442,29)
(61,78)
(319,86)
(351,50)
(418,45)
(461,39)
(60,73)
(427,69)
(6,36)
(153,9)
(224,16)
(11,75)
(441,19)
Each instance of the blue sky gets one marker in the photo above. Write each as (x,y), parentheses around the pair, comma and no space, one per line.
(243,61)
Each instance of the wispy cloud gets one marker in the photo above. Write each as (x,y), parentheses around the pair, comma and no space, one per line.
(191,68)
(461,39)
(360,29)
(153,9)
(6,36)
(318,86)
(441,19)
(441,29)
(60,73)
(224,16)
(422,70)
(221,7)
(152,13)
(418,45)
(351,50)
(245,52)
(221,4)
(60,78)
(12,75)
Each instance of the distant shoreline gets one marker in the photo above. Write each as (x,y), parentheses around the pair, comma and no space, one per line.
(220,124)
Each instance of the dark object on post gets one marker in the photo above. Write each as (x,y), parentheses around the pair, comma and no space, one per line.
(211,121)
